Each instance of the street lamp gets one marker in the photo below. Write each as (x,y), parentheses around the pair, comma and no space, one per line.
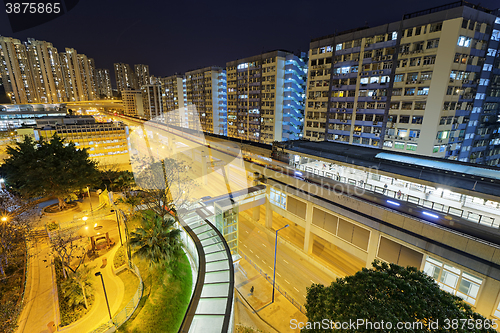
(118,222)
(105,295)
(275,250)
(90,201)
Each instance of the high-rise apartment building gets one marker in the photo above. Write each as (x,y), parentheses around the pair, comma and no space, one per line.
(142,75)
(16,73)
(47,72)
(132,103)
(205,90)
(427,84)
(34,72)
(78,76)
(125,77)
(173,89)
(265,97)
(173,92)
(152,101)
(103,82)
(92,78)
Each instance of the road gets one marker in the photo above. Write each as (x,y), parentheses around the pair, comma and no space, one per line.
(259,247)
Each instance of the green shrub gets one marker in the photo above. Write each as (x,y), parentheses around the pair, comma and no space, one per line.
(120,257)
(52,226)
(68,313)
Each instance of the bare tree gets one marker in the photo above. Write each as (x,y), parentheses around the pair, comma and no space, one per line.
(167,186)
(70,249)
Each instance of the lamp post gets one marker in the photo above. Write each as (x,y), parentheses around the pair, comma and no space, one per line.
(105,295)
(90,201)
(118,222)
(275,250)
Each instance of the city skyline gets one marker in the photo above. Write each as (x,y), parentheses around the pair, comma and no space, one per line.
(105,39)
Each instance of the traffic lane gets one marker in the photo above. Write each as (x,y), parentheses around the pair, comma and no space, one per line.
(260,248)
(288,255)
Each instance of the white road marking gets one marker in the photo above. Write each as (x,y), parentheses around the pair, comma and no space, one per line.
(263,262)
(287,282)
(251,250)
(246,231)
(245,245)
(311,281)
(257,256)
(295,289)
(304,296)
(278,274)
(285,261)
(270,267)
(264,245)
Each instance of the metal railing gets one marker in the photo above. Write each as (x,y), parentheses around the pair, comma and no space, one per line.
(465,214)
(468,215)
(278,288)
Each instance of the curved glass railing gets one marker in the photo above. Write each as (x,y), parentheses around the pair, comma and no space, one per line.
(211,306)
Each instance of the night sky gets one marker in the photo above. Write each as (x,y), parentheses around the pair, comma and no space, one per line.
(184,35)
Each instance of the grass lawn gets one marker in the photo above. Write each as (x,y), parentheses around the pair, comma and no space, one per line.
(164,301)
(131,283)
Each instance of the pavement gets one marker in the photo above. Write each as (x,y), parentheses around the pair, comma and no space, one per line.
(254,309)
(41,307)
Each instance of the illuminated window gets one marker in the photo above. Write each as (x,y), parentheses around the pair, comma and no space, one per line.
(423,91)
(497,311)
(411,146)
(453,280)
(399,145)
(464,41)
(278,198)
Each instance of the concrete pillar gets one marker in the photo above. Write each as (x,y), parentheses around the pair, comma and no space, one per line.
(269,214)
(372,247)
(256,213)
(487,300)
(308,236)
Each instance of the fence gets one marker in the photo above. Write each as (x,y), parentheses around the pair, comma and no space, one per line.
(468,215)
(121,317)
(277,287)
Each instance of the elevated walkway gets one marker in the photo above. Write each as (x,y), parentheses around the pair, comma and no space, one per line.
(211,306)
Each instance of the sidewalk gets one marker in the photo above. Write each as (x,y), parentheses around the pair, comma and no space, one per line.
(41,301)
(255,309)
(115,288)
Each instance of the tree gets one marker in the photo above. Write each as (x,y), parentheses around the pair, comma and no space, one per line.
(166,186)
(117,181)
(16,222)
(387,293)
(78,287)
(157,241)
(49,168)
(69,249)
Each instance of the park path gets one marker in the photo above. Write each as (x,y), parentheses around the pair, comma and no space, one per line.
(41,301)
